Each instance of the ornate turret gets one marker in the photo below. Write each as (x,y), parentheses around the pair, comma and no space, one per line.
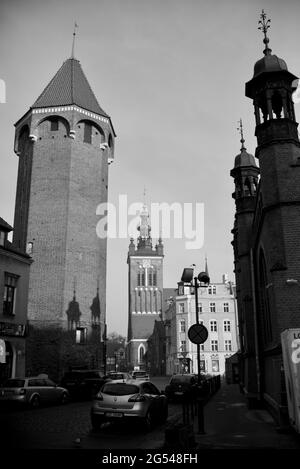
(271,89)
(245,172)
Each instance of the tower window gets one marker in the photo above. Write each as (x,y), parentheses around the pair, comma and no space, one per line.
(87,137)
(54,125)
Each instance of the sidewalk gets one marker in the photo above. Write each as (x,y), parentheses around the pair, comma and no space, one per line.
(229,424)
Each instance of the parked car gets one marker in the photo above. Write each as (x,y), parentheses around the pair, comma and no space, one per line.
(133,399)
(33,391)
(118,375)
(83,384)
(183,386)
(140,375)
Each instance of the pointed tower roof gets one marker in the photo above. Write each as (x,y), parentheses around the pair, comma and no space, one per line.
(69,86)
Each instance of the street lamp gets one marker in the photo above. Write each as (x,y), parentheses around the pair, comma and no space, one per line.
(197,332)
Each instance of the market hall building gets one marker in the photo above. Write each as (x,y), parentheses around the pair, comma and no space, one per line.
(267,232)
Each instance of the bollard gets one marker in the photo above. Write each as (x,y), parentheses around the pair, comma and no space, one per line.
(200,406)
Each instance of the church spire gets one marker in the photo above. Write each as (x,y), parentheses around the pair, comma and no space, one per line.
(240,129)
(73,42)
(264,26)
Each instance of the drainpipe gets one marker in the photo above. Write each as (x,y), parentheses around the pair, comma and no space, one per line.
(258,374)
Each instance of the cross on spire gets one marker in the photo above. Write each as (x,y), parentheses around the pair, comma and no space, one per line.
(264,26)
(73,42)
(240,129)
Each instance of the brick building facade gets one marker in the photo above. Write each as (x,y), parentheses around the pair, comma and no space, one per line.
(267,232)
(14,280)
(65,143)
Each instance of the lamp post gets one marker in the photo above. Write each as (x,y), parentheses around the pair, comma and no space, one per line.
(202,280)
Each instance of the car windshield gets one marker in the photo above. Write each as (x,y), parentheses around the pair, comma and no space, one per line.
(119,389)
(139,373)
(116,376)
(181,379)
(14,383)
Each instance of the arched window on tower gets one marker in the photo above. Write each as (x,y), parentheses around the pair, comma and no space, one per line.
(264,303)
(87,136)
(247,187)
(141,353)
(277,104)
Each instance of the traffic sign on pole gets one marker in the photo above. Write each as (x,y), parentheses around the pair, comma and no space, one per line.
(197,333)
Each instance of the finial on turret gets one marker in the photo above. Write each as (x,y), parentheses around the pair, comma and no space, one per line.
(73,42)
(240,129)
(264,26)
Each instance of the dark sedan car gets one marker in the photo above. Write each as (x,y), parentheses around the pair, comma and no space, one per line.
(184,386)
(83,384)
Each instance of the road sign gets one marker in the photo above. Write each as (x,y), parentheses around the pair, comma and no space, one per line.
(197,333)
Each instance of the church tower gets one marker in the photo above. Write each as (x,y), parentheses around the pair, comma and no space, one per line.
(145,291)
(65,143)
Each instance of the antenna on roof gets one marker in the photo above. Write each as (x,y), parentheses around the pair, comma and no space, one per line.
(73,42)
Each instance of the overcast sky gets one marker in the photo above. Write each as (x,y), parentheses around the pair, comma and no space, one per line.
(171,75)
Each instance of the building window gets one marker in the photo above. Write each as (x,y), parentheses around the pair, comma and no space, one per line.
(202,366)
(182,326)
(226,307)
(87,137)
(214,345)
(183,346)
(212,307)
(212,290)
(10,287)
(202,347)
(181,307)
(213,326)
(215,366)
(54,125)
(228,346)
(227,326)
(180,290)
(2,238)
(81,335)
(199,307)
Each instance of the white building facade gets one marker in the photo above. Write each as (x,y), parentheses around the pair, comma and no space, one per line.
(218,313)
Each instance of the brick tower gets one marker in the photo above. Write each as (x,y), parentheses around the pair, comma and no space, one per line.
(145,291)
(65,143)
(245,174)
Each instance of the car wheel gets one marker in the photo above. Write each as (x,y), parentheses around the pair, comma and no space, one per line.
(35,402)
(96,422)
(148,421)
(64,398)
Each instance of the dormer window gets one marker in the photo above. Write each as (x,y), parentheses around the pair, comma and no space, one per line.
(2,238)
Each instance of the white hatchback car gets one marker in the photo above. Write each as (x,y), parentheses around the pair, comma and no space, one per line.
(33,391)
(127,400)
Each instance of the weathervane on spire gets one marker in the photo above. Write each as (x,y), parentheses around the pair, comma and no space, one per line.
(240,129)
(73,43)
(264,26)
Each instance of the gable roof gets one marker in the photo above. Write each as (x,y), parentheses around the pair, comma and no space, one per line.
(69,86)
